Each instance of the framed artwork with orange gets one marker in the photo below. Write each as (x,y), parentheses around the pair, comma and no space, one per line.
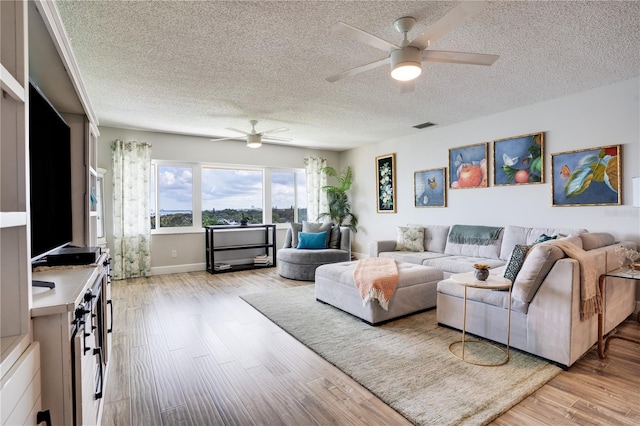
(468,166)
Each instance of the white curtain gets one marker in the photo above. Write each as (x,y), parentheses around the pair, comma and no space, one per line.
(316,197)
(131,223)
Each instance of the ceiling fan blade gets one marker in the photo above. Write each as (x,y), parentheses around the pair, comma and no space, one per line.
(448,22)
(362,36)
(238,131)
(281,129)
(275,139)
(459,57)
(357,70)
(225,139)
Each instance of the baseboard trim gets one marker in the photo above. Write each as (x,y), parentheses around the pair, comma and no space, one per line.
(175,269)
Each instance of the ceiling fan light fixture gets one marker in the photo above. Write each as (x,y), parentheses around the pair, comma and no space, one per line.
(254,141)
(405,63)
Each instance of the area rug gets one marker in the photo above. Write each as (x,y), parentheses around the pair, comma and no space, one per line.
(406,362)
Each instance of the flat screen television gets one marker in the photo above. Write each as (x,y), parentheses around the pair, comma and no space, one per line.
(50,176)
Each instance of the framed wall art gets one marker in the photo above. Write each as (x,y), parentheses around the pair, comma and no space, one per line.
(587,177)
(429,188)
(386,183)
(468,166)
(519,160)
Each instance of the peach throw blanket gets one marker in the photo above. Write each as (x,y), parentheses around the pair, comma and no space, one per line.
(376,278)
(590,297)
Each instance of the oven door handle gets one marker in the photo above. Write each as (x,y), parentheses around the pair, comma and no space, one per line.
(110,303)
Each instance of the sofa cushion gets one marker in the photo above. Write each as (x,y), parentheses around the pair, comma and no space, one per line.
(311,257)
(515,262)
(312,240)
(296,228)
(596,240)
(315,227)
(409,238)
(456,247)
(537,265)
(523,235)
(334,237)
(458,264)
(483,295)
(435,237)
(415,257)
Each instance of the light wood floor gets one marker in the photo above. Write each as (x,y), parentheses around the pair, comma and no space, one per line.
(188,351)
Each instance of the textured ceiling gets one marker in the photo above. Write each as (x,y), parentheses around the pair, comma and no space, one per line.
(197,68)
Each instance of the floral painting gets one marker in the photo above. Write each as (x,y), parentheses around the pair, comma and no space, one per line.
(468,166)
(386,183)
(519,160)
(429,188)
(588,177)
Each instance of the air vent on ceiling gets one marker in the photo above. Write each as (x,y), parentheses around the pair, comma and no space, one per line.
(423,125)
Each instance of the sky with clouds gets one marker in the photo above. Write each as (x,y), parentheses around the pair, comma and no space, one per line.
(224,188)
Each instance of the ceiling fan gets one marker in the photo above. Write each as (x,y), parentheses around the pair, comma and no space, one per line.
(254,139)
(405,59)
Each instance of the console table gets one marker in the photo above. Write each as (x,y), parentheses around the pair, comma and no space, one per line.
(252,238)
(493,282)
(603,342)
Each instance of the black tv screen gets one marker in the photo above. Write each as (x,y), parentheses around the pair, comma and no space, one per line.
(50,175)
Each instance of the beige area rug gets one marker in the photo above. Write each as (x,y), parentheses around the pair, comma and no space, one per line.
(406,362)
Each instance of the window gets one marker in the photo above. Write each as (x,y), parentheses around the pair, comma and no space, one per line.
(283,197)
(229,195)
(174,196)
(152,196)
(188,196)
(301,196)
(288,196)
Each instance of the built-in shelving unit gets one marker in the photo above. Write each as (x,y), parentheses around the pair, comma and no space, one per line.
(20,362)
(31,32)
(243,243)
(14,254)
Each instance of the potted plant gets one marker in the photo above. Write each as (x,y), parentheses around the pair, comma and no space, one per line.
(481,271)
(244,219)
(339,206)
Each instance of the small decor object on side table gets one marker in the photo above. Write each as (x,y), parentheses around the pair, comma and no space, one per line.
(627,257)
(481,271)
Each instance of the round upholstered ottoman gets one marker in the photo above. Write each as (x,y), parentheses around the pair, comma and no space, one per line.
(416,291)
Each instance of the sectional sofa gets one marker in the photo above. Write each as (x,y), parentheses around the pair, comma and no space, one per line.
(545,318)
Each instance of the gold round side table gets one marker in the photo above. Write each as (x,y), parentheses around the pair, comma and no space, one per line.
(494,282)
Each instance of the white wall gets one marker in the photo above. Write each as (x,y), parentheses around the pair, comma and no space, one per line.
(191,247)
(600,117)
(604,116)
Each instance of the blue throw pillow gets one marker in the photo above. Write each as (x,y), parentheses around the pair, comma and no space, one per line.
(308,240)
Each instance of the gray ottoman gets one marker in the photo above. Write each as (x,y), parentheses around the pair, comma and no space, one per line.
(416,291)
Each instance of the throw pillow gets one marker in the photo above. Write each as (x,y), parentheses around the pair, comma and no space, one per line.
(537,265)
(314,241)
(516,260)
(544,237)
(295,230)
(334,237)
(409,238)
(315,227)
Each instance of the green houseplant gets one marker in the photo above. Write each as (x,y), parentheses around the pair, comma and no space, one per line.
(339,206)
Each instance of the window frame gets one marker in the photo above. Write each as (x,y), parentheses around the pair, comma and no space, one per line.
(196,168)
